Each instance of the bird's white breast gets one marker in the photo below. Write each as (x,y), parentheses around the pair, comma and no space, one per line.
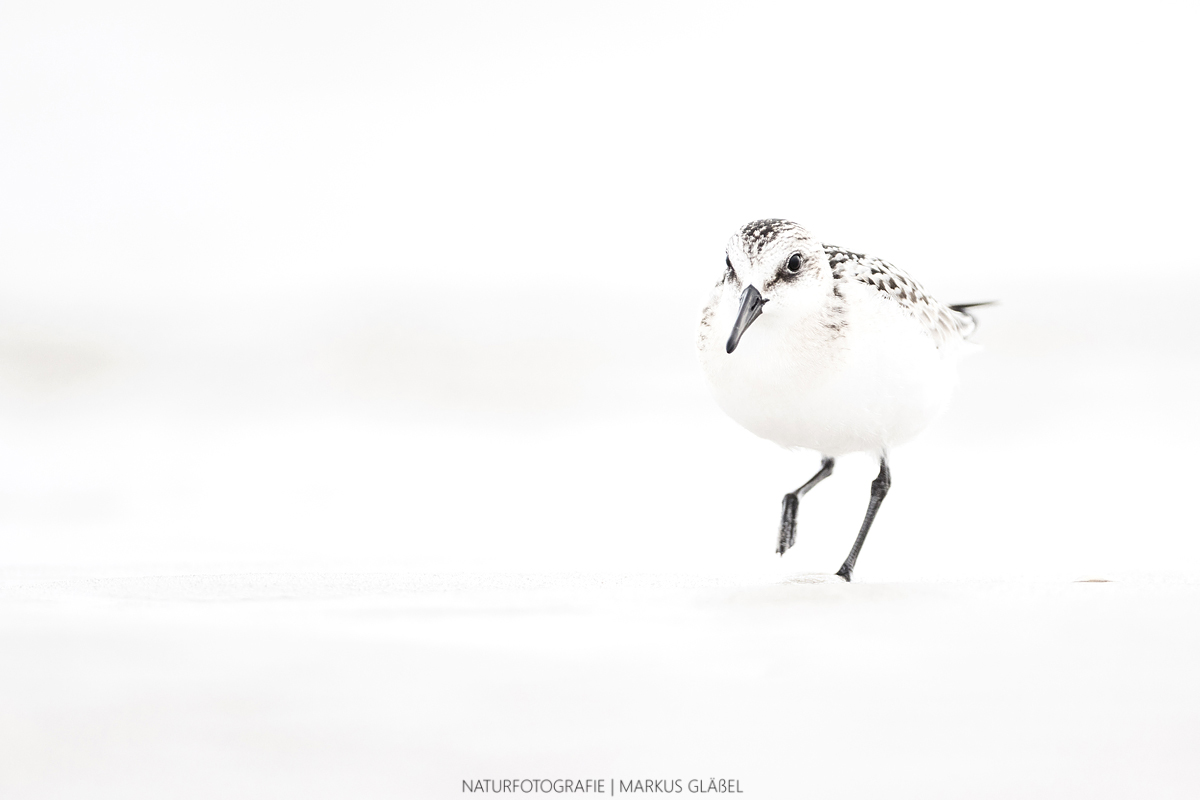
(875,382)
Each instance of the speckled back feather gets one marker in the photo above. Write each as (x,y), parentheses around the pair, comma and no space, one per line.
(941,322)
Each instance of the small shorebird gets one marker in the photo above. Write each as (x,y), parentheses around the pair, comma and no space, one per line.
(851,356)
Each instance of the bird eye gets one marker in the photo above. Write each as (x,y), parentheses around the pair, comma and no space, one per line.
(793,263)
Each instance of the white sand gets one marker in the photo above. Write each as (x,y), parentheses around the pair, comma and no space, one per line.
(394,685)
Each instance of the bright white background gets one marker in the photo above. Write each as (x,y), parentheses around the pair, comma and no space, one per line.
(410,290)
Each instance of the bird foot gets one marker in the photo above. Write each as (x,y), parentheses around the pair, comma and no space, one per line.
(845,572)
(787,524)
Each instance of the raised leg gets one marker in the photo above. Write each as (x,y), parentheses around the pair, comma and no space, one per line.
(787,525)
(879,490)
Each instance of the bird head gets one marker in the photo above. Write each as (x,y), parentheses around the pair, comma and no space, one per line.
(778,262)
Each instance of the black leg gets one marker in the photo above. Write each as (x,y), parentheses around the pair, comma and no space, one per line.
(787,525)
(879,490)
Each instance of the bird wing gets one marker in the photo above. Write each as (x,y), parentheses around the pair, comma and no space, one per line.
(943,323)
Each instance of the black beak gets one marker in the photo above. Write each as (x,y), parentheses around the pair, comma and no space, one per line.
(751,307)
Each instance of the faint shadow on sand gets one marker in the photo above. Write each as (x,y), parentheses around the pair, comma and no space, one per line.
(814,577)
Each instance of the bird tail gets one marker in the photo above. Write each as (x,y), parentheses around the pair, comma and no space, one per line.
(962,308)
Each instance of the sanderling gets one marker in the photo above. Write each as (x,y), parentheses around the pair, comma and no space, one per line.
(851,356)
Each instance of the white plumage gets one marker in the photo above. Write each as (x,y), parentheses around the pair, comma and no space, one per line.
(812,346)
